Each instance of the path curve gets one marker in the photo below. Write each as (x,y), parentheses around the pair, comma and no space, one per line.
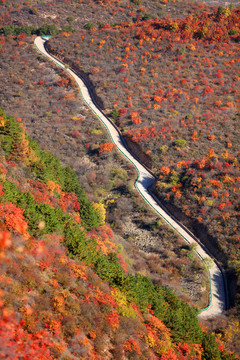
(218,289)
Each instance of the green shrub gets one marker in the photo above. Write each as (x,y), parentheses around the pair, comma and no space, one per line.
(75,239)
(210,347)
(68,28)
(88,26)
(180,143)
(45,29)
(137,2)
(174,179)
(114,114)
(163,149)
(140,289)
(181,318)
(146,17)
(224,11)
(232,32)
(70,19)
(109,268)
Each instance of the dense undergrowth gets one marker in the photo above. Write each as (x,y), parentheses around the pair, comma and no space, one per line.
(43,207)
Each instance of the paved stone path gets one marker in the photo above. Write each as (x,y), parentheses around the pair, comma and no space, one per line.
(218,298)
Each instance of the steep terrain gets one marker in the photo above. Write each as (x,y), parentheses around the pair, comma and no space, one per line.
(46,101)
(172,87)
(196,68)
(218,287)
(65,290)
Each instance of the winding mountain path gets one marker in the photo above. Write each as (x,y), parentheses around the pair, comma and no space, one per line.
(218,290)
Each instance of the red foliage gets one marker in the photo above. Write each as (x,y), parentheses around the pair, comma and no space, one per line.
(122,111)
(5,240)
(106,299)
(17,344)
(113,320)
(165,170)
(169,355)
(122,263)
(132,345)
(69,202)
(13,217)
(75,134)
(1,190)
(185,349)
(63,82)
(40,192)
(106,148)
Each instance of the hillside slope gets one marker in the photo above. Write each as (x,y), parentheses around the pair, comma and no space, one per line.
(44,99)
(50,302)
(47,102)
(218,292)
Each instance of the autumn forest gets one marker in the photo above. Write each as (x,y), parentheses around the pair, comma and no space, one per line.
(88,270)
